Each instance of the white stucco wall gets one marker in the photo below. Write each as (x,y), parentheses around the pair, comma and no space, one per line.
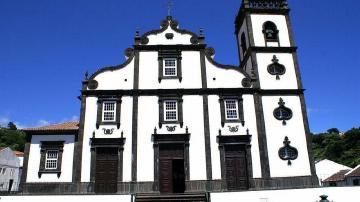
(268,81)
(122,78)
(149,71)
(156,39)
(34,159)
(224,78)
(258,20)
(276,132)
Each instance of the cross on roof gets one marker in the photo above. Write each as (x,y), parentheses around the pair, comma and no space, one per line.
(170,4)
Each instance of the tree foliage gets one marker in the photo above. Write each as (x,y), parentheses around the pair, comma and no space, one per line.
(341,148)
(11,137)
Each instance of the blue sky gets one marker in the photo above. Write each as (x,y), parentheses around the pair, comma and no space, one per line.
(46,46)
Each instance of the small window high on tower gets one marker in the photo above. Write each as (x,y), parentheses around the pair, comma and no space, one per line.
(270,32)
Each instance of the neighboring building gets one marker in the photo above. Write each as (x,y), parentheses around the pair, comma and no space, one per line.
(173,120)
(326,168)
(10,169)
(348,177)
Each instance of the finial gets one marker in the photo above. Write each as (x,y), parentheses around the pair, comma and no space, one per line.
(169,6)
(137,32)
(186,130)
(219,132)
(93,135)
(247,132)
(122,134)
(86,75)
(201,31)
(155,130)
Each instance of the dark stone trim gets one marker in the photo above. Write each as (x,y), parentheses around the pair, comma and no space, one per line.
(262,139)
(78,147)
(179,101)
(240,119)
(290,30)
(50,145)
(135,120)
(92,164)
(191,91)
(128,52)
(234,139)
(206,113)
(169,54)
(107,141)
(297,71)
(207,138)
(25,163)
(170,47)
(308,135)
(209,52)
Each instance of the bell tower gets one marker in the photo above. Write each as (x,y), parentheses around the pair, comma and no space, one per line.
(267,52)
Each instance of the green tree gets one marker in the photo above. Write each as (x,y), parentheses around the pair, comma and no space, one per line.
(12,126)
(15,139)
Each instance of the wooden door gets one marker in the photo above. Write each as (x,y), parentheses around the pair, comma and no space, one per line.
(106,170)
(171,168)
(236,168)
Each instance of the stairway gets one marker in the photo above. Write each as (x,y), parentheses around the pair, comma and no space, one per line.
(171,197)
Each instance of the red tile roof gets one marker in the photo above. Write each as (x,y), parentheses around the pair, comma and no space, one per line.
(19,153)
(67,126)
(354,172)
(339,176)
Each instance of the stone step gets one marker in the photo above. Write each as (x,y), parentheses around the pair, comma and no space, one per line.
(171,197)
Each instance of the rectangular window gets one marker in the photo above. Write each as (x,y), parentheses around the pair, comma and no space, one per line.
(109,111)
(170,109)
(170,67)
(231,109)
(3,171)
(51,159)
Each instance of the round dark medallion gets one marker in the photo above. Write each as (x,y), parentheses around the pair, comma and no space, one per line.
(246,82)
(169,35)
(93,84)
(194,40)
(144,40)
(210,51)
(129,52)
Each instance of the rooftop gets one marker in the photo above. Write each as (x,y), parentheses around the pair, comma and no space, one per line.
(70,126)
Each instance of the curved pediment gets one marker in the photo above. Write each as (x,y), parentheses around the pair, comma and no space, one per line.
(169,34)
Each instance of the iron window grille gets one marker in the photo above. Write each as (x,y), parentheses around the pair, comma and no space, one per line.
(51,159)
(170,109)
(231,108)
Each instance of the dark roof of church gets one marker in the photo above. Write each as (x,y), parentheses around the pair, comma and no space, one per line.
(339,176)
(71,126)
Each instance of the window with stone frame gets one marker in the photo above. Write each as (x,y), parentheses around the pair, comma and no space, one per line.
(51,157)
(108,111)
(170,110)
(169,65)
(231,108)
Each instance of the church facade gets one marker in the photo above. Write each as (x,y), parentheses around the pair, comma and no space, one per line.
(170,119)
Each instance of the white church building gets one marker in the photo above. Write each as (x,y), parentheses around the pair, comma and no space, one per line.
(171,120)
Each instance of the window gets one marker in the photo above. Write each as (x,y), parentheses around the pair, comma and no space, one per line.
(170,110)
(170,67)
(288,152)
(282,113)
(51,159)
(243,43)
(109,111)
(270,32)
(3,171)
(231,109)
(275,68)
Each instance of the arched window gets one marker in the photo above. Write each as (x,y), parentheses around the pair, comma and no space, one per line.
(243,43)
(270,32)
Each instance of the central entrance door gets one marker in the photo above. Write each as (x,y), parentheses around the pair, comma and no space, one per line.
(106,170)
(236,167)
(171,168)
